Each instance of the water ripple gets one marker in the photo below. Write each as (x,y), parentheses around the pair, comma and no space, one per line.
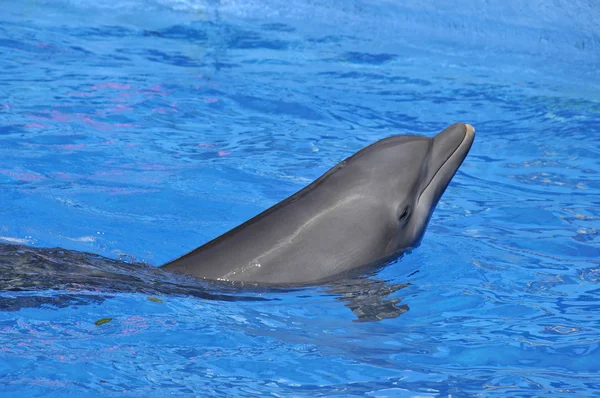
(138,130)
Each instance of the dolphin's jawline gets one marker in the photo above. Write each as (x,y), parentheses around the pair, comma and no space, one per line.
(442,167)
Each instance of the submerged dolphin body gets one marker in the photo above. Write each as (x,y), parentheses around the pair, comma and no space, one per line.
(367,210)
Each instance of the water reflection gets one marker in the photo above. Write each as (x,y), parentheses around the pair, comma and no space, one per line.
(369,298)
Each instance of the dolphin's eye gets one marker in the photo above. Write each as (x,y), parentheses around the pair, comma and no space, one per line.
(405,213)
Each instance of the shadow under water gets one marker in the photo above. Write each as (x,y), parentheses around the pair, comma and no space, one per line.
(28,274)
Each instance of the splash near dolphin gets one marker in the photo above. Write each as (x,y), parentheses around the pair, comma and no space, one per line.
(365,211)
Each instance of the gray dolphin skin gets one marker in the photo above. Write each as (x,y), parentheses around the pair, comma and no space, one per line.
(365,211)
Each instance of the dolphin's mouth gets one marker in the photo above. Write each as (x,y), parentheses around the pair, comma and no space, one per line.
(445,147)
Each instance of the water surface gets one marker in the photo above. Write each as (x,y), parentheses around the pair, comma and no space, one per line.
(138,130)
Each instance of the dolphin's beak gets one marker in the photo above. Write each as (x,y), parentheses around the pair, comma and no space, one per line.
(449,149)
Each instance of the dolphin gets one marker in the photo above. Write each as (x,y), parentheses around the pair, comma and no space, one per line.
(365,212)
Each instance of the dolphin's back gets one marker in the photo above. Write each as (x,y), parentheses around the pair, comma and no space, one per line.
(296,236)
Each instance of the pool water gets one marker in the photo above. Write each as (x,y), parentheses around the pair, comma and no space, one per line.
(137,130)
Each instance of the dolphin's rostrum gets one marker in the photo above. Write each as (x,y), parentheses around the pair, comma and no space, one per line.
(365,211)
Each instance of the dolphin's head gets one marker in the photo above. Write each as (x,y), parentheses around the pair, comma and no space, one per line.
(417,171)
(447,151)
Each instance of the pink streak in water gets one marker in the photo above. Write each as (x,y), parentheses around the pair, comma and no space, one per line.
(151,166)
(116,86)
(153,180)
(72,147)
(211,100)
(122,97)
(106,126)
(56,115)
(135,325)
(125,191)
(37,116)
(136,320)
(40,381)
(35,126)
(224,153)
(113,172)
(163,110)
(120,108)
(22,175)
(63,175)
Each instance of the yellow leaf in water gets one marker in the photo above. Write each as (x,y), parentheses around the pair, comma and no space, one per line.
(102,321)
(155,299)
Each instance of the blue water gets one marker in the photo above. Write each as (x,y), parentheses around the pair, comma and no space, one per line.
(140,129)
